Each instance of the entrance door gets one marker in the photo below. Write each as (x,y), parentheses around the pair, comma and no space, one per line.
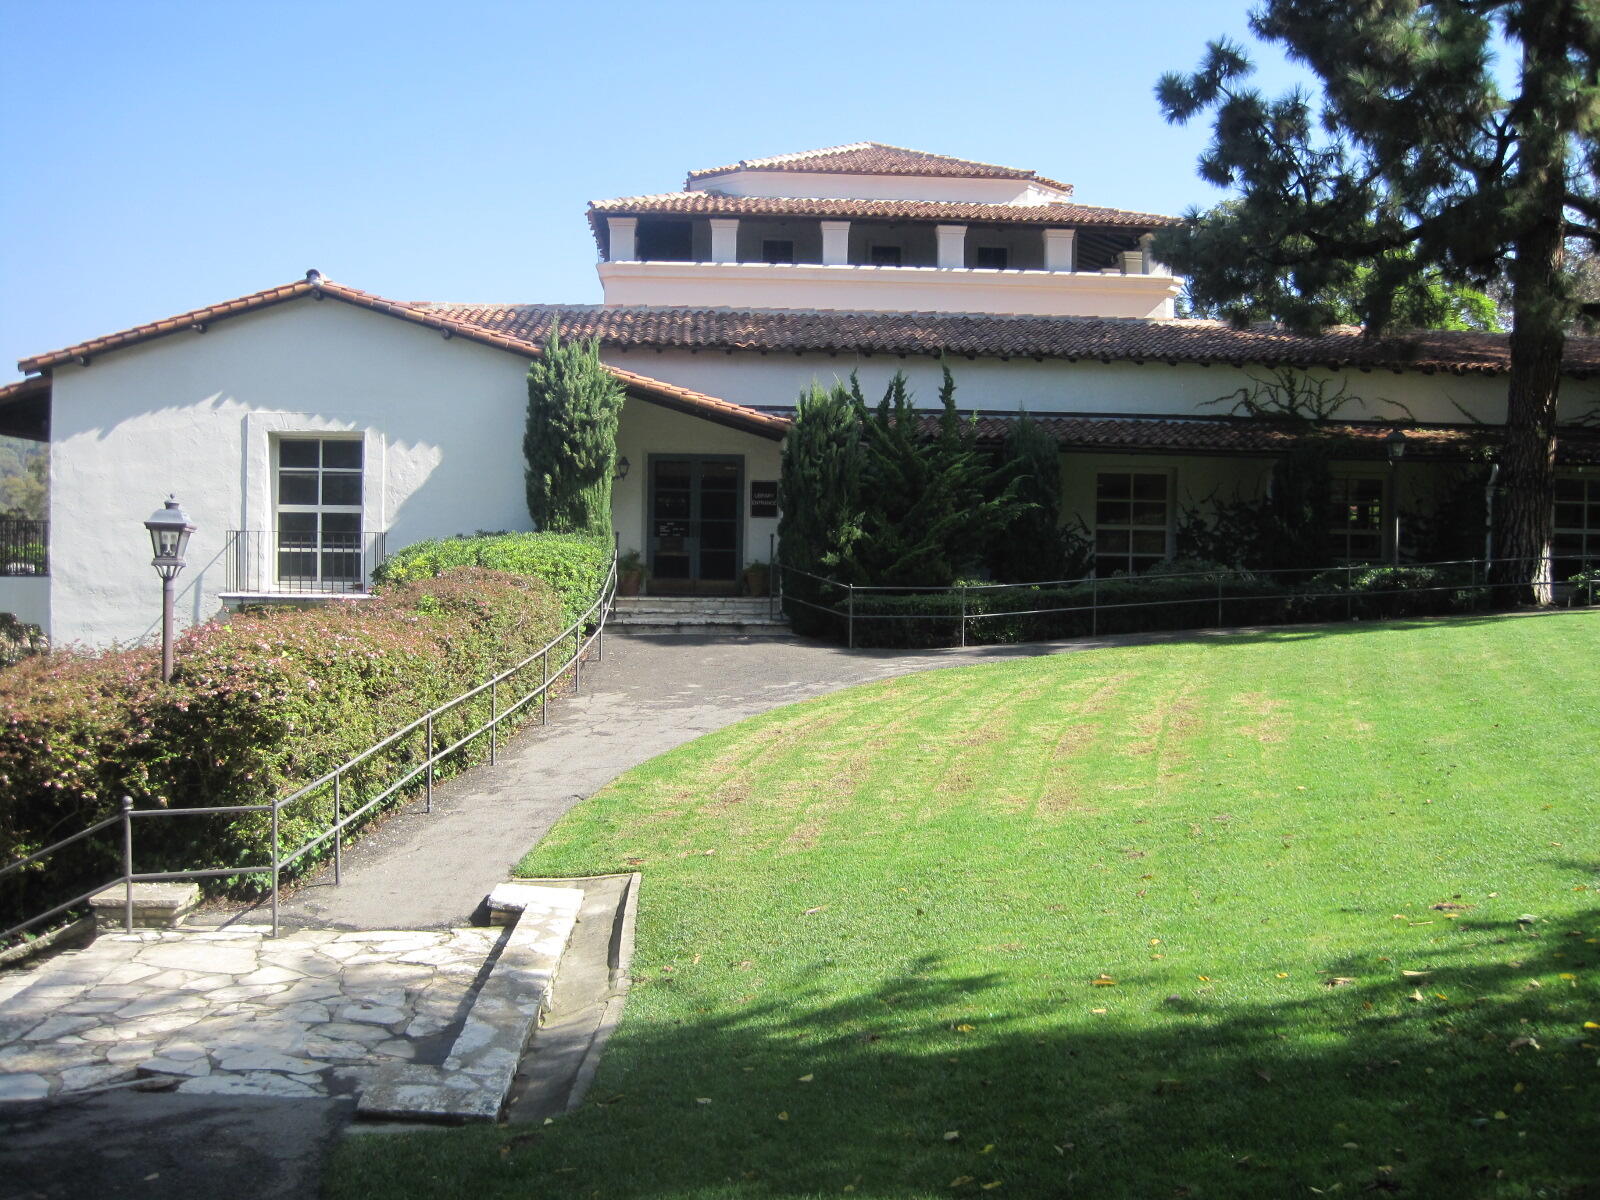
(695,522)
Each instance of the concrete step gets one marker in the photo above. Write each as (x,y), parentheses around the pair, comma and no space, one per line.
(708,629)
(711,616)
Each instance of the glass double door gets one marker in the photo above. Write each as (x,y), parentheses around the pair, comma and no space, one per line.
(695,521)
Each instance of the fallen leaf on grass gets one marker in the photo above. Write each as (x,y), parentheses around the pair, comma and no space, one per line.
(961,1181)
(807,1078)
(817,909)
(1099,1012)
(989,1149)
(951,1135)
(1416,974)
(964,1028)
(783,1116)
(1518,1043)
(990,1186)
(702,1099)
(1338,981)
(1103,981)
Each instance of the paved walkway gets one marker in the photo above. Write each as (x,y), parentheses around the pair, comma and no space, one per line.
(234,1012)
(651,693)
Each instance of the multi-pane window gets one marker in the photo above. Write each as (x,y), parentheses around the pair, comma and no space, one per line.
(777,250)
(1577,532)
(319,513)
(993,258)
(1355,519)
(1131,516)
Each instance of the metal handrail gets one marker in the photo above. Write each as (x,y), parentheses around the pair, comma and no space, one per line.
(1480,579)
(593,619)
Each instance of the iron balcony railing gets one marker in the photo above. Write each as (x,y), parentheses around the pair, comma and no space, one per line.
(403,764)
(274,562)
(24,546)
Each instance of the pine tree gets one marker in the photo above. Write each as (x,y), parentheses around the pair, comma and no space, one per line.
(1415,170)
(570,443)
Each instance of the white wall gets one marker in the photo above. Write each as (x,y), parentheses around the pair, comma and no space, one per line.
(886,289)
(826,185)
(194,413)
(1055,385)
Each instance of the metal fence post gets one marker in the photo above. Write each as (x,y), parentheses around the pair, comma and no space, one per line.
(276,868)
(544,687)
(1349,595)
(1094,606)
(428,802)
(494,722)
(963,616)
(1219,601)
(127,864)
(577,661)
(338,834)
(851,600)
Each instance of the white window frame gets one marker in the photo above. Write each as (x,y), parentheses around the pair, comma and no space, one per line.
(1340,538)
(1588,533)
(1170,475)
(319,582)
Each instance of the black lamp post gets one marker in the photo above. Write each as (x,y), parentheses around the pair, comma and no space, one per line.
(169,528)
(1395,444)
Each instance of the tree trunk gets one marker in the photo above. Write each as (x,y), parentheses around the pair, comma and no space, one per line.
(1539,309)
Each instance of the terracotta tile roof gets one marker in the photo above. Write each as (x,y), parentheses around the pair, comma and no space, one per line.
(1242,435)
(980,335)
(668,395)
(877,158)
(711,204)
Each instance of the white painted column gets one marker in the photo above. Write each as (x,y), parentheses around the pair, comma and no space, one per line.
(1059,248)
(952,245)
(623,241)
(724,239)
(1151,266)
(835,243)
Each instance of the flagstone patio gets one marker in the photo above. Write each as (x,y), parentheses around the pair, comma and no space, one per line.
(236,1012)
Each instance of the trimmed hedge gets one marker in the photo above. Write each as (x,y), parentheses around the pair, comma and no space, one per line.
(259,706)
(1203,597)
(574,564)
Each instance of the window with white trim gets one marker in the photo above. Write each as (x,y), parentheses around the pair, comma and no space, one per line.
(318,511)
(1355,518)
(1577,526)
(1132,513)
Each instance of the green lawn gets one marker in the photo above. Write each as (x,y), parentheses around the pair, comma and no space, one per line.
(1306,912)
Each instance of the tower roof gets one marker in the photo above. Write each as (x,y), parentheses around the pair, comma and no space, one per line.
(877,158)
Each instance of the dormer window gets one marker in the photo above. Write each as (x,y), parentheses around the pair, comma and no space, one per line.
(990,258)
(884,256)
(777,250)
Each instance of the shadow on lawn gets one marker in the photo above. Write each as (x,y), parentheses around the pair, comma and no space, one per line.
(1376,1084)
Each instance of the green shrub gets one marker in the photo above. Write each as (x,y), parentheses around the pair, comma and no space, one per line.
(1585,587)
(260,705)
(574,564)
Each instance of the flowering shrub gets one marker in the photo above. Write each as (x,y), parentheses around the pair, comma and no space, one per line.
(574,564)
(260,705)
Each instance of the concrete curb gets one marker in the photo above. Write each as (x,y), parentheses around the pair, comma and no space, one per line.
(621,981)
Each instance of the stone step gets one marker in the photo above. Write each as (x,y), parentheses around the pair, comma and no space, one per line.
(476,1078)
(706,629)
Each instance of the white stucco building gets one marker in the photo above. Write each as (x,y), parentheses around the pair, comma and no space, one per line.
(310,427)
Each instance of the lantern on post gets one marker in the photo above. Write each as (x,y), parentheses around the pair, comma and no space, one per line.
(169,528)
(1395,445)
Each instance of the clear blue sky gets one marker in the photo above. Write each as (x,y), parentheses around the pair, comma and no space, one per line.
(161,156)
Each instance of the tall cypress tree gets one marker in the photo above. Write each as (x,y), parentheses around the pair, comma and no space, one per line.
(570,442)
(1415,168)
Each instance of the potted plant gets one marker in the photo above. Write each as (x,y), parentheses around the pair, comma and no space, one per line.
(757,578)
(631,574)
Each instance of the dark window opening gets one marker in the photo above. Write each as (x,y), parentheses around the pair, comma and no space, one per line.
(665,241)
(777,250)
(991,258)
(884,256)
